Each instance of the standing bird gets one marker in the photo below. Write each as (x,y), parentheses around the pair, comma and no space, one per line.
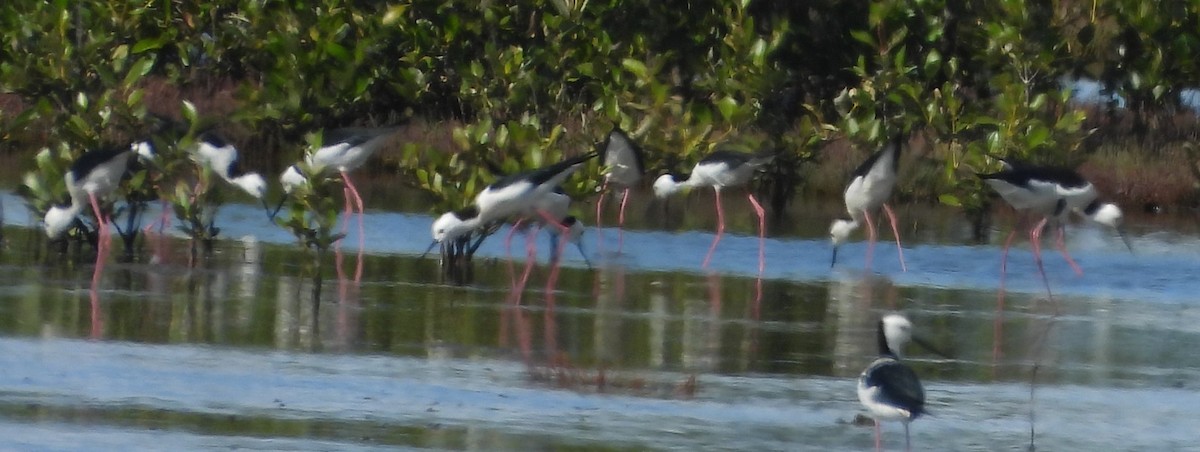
(869,189)
(345,150)
(624,169)
(888,388)
(1052,193)
(719,170)
(91,177)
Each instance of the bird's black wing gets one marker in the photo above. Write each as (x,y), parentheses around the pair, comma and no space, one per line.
(732,158)
(542,175)
(619,148)
(894,145)
(899,386)
(91,159)
(354,136)
(1021,175)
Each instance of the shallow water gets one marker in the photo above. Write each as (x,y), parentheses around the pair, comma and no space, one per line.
(644,352)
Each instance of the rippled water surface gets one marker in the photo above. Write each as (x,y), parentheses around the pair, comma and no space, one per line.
(645,351)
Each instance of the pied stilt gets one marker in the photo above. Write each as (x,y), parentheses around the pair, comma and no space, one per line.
(888,388)
(510,196)
(345,150)
(869,189)
(1052,193)
(720,170)
(90,178)
(221,157)
(624,168)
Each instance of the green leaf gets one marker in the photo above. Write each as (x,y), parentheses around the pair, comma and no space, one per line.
(637,68)
(139,70)
(148,44)
(728,107)
(949,200)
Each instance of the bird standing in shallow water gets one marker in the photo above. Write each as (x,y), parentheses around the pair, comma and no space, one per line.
(624,169)
(888,388)
(92,177)
(1052,193)
(719,170)
(869,189)
(345,150)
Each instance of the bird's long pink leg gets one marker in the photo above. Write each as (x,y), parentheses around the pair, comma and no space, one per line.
(878,444)
(530,256)
(621,220)
(895,231)
(101,256)
(720,229)
(762,232)
(1062,248)
(358,202)
(870,236)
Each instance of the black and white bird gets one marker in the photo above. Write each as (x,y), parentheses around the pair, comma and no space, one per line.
(624,168)
(90,178)
(889,389)
(221,156)
(342,151)
(510,196)
(870,188)
(1052,193)
(719,170)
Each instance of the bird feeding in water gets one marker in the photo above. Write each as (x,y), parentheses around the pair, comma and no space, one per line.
(719,170)
(1052,193)
(221,157)
(624,168)
(510,196)
(869,189)
(889,389)
(92,177)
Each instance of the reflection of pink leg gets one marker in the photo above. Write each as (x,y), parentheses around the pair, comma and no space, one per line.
(552,280)
(870,236)
(895,231)
(720,229)
(621,220)
(1062,248)
(1035,239)
(762,232)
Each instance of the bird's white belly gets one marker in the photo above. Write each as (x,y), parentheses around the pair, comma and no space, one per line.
(864,194)
(496,204)
(870,398)
(1037,199)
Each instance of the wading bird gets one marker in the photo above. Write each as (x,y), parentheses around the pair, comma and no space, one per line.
(624,169)
(888,388)
(92,177)
(1052,193)
(869,189)
(719,170)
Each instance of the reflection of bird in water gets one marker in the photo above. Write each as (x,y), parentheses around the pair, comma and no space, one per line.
(624,168)
(719,170)
(870,189)
(888,388)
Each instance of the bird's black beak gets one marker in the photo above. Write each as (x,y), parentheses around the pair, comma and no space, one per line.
(833,261)
(1125,238)
(579,245)
(427,250)
(275,212)
(928,346)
